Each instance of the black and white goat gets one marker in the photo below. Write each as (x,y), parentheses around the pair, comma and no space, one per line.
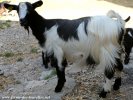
(49,59)
(97,38)
(128,44)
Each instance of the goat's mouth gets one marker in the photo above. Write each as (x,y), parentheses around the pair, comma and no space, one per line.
(23,23)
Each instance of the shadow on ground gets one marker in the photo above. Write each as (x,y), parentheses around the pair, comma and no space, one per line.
(126,3)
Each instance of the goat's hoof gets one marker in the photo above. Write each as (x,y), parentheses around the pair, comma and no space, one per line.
(46,66)
(102,94)
(117,84)
(116,87)
(126,61)
(60,85)
(57,89)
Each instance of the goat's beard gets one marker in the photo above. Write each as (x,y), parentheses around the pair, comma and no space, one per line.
(27,28)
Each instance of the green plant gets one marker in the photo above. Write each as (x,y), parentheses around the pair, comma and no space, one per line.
(8,54)
(34,50)
(19,59)
(1,55)
(6,24)
(18,82)
(53,73)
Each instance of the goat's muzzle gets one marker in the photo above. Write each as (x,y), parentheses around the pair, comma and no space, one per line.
(23,22)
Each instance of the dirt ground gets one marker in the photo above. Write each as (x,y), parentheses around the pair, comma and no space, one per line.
(20,57)
(126,3)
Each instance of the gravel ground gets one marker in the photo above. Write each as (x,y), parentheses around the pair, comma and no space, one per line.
(25,76)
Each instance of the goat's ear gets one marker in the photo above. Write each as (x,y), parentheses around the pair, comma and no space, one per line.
(10,7)
(37,4)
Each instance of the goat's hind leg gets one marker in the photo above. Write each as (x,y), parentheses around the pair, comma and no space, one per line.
(109,73)
(108,61)
(119,68)
(45,59)
(127,55)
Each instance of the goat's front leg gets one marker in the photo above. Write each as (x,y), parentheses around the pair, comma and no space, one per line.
(61,79)
(60,69)
(127,58)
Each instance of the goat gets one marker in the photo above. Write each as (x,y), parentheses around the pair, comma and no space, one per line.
(47,59)
(128,44)
(97,38)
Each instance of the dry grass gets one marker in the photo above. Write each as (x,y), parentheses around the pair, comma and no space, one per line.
(5,81)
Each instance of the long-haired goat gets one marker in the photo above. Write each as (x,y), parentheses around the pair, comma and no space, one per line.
(97,38)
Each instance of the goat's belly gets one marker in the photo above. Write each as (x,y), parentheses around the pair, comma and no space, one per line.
(75,53)
(75,56)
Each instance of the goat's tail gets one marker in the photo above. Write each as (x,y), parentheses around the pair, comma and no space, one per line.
(113,14)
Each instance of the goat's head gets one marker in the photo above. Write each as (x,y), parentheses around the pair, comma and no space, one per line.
(24,9)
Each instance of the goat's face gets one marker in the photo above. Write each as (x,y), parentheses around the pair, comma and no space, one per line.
(24,9)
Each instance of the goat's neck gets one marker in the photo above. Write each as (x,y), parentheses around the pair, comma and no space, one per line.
(37,25)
